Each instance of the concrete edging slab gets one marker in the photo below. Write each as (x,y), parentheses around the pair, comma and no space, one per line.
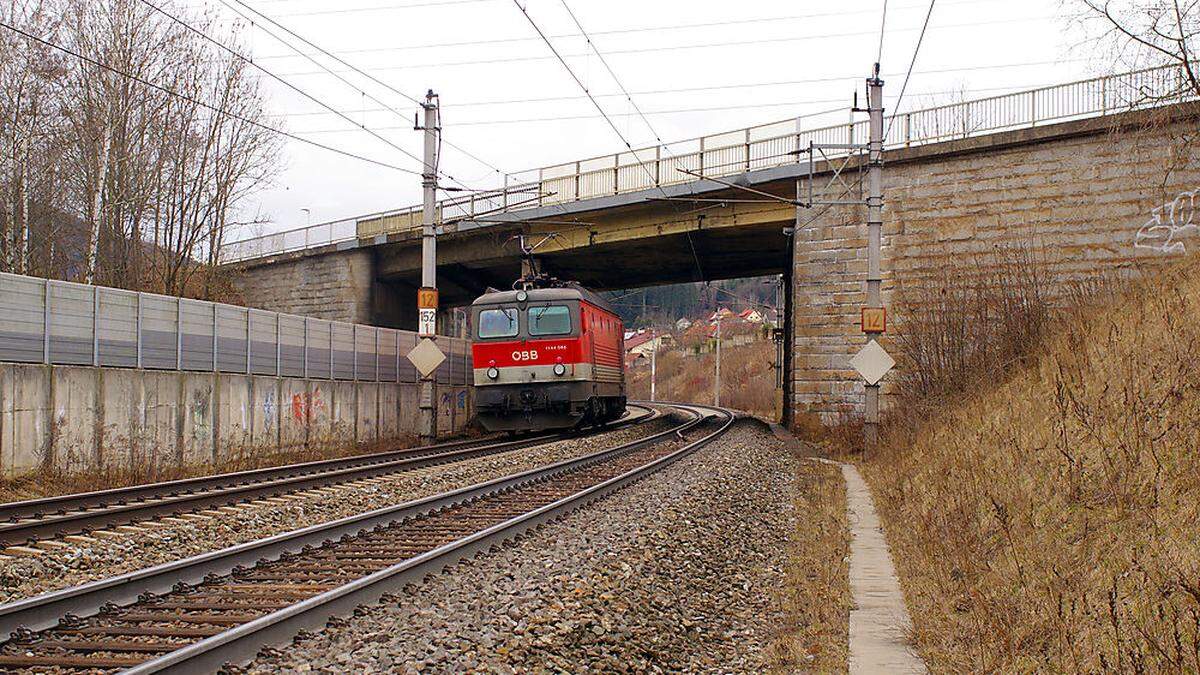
(879,620)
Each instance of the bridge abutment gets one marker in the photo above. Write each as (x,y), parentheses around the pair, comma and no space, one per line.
(1085,199)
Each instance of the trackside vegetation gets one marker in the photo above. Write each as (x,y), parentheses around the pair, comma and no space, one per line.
(1042,496)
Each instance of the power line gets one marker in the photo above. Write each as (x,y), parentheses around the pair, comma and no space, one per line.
(718,87)
(668,48)
(415,5)
(200,103)
(611,74)
(654,178)
(354,68)
(679,111)
(882,26)
(916,50)
(676,111)
(582,86)
(379,8)
(238,55)
(615,31)
(348,10)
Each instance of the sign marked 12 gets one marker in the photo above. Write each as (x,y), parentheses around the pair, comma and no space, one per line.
(427,304)
(874,320)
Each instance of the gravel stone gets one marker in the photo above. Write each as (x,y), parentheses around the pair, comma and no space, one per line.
(22,577)
(672,574)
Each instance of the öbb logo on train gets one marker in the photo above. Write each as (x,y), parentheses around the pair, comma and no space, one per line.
(526,355)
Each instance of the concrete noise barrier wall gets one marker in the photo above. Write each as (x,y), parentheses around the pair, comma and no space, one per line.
(95,378)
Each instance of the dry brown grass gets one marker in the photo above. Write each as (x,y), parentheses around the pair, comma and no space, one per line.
(52,483)
(748,383)
(815,596)
(1046,518)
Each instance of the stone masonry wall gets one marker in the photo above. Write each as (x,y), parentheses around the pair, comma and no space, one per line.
(1083,196)
(335,286)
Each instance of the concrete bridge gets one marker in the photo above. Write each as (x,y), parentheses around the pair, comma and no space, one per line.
(1080,172)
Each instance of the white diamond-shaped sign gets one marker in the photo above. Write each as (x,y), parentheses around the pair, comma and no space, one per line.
(426,357)
(872,362)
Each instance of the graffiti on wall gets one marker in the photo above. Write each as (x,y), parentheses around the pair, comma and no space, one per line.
(306,407)
(201,426)
(451,400)
(1169,224)
(269,408)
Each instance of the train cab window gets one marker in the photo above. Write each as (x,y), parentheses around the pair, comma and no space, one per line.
(550,320)
(498,323)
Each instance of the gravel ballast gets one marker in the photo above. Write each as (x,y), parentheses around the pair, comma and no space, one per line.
(674,573)
(22,577)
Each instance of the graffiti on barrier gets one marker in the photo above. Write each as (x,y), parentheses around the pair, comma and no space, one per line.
(201,429)
(1168,224)
(306,407)
(269,408)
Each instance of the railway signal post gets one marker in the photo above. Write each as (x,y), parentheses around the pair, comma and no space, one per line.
(427,295)
(874,317)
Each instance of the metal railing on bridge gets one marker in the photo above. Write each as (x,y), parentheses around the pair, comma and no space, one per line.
(63,323)
(758,147)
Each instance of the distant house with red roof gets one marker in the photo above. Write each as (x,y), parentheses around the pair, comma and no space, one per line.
(639,345)
(721,314)
(751,316)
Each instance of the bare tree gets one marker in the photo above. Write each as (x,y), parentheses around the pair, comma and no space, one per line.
(29,124)
(106,179)
(1145,33)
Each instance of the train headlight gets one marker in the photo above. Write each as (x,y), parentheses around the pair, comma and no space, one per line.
(493,373)
(522,296)
(560,369)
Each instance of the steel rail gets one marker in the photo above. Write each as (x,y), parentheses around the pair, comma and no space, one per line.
(243,642)
(69,514)
(46,611)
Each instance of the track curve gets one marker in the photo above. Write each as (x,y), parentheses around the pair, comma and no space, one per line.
(196,614)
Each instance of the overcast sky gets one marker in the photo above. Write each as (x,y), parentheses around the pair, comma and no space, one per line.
(508,101)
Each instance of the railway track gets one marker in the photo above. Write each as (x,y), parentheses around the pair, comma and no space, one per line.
(197,614)
(26,522)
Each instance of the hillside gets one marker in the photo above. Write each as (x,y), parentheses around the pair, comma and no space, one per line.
(1049,522)
(663,305)
(747,378)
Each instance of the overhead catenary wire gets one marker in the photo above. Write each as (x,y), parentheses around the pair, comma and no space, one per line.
(683,111)
(882,28)
(202,104)
(611,73)
(732,85)
(615,31)
(245,59)
(584,87)
(654,179)
(670,48)
(413,5)
(355,69)
(912,64)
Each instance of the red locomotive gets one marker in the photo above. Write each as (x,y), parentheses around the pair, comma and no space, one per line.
(547,358)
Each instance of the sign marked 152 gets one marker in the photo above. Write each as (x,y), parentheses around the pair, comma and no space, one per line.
(427,322)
